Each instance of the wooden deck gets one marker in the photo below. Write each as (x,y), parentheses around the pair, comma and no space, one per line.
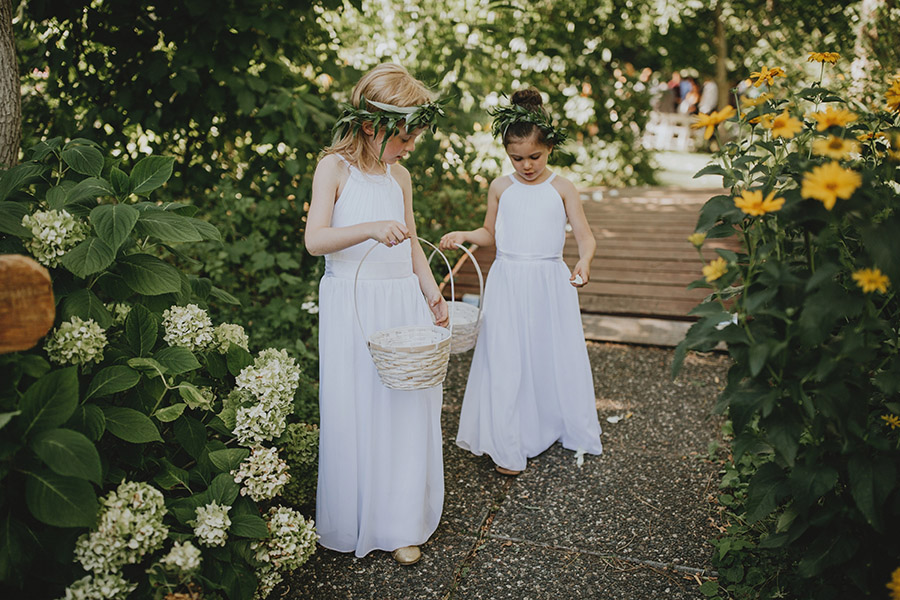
(642,265)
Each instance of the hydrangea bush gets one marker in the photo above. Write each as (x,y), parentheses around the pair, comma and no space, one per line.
(809,312)
(139,441)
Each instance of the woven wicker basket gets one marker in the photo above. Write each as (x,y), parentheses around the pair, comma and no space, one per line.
(466,318)
(411,357)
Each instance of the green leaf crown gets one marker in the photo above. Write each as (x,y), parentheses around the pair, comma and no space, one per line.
(504,116)
(387,118)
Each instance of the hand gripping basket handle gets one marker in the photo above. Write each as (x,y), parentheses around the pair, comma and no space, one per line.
(356,280)
(477,270)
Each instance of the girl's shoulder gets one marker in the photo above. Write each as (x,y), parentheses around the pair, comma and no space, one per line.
(333,162)
(563,185)
(500,185)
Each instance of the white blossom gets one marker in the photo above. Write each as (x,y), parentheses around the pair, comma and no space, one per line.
(263,474)
(119,311)
(211,524)
(130,525)
(182,557)
(291,541)
(188,326)
(53,234)
(310,307)
(266,391)
(107,586)
(76,342)
(268,577)
(227,334)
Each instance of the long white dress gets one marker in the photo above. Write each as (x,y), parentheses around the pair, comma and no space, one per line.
(381,482)
(530,383)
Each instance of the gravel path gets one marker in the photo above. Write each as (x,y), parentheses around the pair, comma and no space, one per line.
(630,524)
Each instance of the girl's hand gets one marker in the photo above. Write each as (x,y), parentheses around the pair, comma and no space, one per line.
(440,311)
(389,233)
(450,240)
(581,274)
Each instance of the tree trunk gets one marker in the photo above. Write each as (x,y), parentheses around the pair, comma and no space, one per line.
(721,59)
(10,91)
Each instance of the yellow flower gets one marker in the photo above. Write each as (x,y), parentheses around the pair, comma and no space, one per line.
(697,239)
(829,57)
(752,203)
(835,147)
(894,422)
(784,125)
(894,585)
(767,76)
(711,120)
(754,102)
(893,94)
(715,269)
(765,119)
(894,152)
(871,280)
(837,117)
(829,182)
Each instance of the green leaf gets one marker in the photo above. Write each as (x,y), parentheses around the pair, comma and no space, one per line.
(147,366)
(249,526)
(170,413)
(86,160)
(207,230)
(14,178)
(50,401)
(191,395)
(85,304)
(764,491)
(710,170)
(33,365)
(130,425)
(223,489)
(121,185)
(784,432)
(228,459)
(237,358)
(11,214)
(114,222)
(6,417)
(141,330)
(830,548)
(191,434)
(215,364)
(811,482)
(88,189)
(709,588)
(224,296)
(167,226)
(69,453)
(759,352)
(177,359)
(89,257)
(150,173)
(60,501)
(89,420)
(871,481)
(149,275)
(56,197)
(170,476)
(113,379)
(43,148)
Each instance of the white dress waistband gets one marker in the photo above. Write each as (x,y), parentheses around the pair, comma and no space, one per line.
(346,269)
(527,257)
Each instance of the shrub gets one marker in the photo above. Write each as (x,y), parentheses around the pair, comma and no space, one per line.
(810,316)
(301,452)
(139,440)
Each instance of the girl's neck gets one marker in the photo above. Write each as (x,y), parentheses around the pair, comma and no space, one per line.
(544,176)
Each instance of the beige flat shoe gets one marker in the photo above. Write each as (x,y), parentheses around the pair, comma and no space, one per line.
(506,471)
(407,555)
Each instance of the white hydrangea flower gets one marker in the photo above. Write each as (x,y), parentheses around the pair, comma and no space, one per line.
(107,586)
(263,474)
(76,342)
(212,523)
(266,389)
(182,557)
(54,232)
(119,312)
(310,307)
(130,526)
(291,541)
(227,334)
(268,577)
(188,326)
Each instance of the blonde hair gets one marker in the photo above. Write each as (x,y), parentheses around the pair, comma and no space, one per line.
(387,83)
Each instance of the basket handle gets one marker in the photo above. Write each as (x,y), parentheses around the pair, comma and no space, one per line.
(359,267)
(480,278)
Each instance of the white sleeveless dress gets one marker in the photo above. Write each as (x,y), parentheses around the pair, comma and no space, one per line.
(530,383)
(381,482)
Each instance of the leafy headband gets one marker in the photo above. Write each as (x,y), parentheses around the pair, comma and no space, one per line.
(388,118)
(504,116)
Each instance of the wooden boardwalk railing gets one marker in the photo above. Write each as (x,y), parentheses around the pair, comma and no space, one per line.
(643,261)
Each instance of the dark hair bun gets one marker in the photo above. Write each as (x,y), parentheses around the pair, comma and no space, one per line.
(528,98)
